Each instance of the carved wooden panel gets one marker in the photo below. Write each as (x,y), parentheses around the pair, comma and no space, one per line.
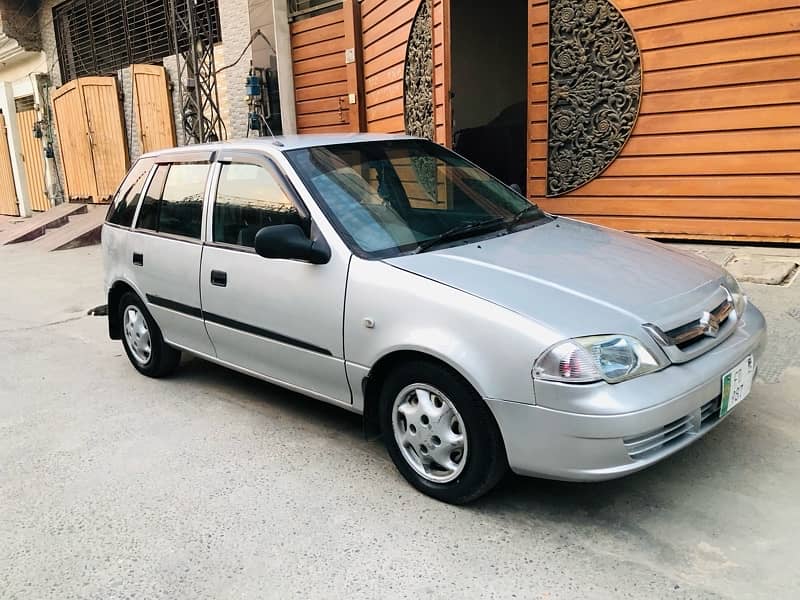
(418,75)
(595,90)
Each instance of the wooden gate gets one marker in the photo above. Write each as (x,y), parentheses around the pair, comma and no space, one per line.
(94,152)
(8,193)
(385,28)
(153,107)
(33,156)
(715,149)
(349,67)
(320,74)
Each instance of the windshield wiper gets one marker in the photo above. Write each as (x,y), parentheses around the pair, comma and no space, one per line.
(458,232)
(517,218)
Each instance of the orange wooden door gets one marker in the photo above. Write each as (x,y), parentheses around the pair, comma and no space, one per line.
(74,145)
(320,74)
(94,150)
(385,27)
(106,133)
(153,107)
(33,157)
(8,193)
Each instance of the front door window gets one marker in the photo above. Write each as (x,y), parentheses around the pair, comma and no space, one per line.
(248,199)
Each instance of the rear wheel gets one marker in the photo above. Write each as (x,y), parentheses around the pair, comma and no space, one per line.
(143,341)
(440,433)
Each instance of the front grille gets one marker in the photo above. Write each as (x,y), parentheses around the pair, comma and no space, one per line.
(689,340)
(689,334)
(651,442)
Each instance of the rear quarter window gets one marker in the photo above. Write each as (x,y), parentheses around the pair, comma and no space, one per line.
(174,201)
(123,208)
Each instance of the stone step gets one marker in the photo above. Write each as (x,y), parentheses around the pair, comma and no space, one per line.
(24,230)
(82,230)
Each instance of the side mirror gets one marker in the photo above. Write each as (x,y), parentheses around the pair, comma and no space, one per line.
(516,188)
(291,242)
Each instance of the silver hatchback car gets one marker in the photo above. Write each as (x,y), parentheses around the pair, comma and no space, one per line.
(390,276)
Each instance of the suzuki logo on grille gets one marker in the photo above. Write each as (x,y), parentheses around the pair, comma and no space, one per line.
(710,324)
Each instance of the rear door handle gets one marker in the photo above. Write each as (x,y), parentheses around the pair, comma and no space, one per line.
(138,259)
(219,278)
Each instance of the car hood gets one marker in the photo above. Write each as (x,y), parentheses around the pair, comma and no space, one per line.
(579,278)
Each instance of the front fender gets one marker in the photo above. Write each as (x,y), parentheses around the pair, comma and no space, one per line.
(390,310)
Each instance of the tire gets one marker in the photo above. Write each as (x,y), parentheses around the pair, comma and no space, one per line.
(154,359)
(465,470)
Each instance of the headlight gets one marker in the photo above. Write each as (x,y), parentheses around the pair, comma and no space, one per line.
(737,295)
(613,358)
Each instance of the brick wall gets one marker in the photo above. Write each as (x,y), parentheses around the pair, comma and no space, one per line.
(125,77)
(171,66)
(235,28)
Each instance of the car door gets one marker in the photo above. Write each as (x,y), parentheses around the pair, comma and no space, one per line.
(166,246)
(281,319)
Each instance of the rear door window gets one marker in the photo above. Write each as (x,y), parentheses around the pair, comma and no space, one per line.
(249,197)
(124,206)
(174,201)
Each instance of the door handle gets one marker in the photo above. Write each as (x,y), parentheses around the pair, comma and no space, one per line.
(138,259)
(219,278)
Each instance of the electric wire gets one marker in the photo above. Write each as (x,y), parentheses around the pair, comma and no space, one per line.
(258,33)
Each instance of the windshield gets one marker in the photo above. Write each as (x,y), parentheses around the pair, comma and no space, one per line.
(389,197)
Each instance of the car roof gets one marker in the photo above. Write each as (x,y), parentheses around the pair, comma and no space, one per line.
(282,143)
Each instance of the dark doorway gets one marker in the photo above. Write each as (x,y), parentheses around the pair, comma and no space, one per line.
(489,79)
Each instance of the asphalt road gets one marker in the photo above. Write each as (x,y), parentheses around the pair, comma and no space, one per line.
(213,485)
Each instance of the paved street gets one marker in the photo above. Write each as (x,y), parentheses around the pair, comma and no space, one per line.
(213,485)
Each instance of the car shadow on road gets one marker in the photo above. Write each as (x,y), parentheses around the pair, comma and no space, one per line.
(262,396)
(618,501)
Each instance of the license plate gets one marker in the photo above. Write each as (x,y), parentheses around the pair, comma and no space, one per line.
(736,384)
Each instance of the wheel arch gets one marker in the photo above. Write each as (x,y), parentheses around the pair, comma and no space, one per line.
(118,289)
(372,382)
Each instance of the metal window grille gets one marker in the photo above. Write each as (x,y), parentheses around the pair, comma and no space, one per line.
(99,37)
(306,8)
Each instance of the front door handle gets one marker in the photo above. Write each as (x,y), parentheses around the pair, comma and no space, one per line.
(138,259)
(219,278)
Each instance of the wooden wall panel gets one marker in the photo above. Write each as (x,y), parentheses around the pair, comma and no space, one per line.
(8,192)
(321,75)
(33,157)
(538,44)
(441,73)
(385,26)
(716,148)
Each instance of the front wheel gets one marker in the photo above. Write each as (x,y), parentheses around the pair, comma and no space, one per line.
(440,433)
(143,341)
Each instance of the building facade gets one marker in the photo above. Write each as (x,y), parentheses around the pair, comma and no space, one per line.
(676,119)
(103,81)
(28,180)
(667,118)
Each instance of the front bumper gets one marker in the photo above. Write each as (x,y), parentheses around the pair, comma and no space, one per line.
(632,424)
